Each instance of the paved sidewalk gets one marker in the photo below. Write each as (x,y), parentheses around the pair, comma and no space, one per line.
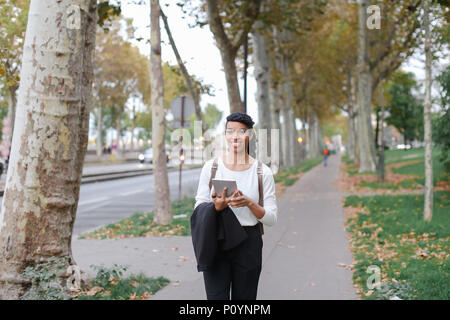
(302,253)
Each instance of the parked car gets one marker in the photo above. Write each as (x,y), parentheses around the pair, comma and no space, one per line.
(147,156)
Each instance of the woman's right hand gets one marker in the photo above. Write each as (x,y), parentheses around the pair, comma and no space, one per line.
(220,201)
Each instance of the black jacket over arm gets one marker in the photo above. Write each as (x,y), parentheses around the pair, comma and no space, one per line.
(212,231)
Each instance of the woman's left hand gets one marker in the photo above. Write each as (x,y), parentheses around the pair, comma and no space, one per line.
(240,200)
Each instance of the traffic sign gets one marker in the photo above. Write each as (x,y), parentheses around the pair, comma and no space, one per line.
(6,121)
(177,104)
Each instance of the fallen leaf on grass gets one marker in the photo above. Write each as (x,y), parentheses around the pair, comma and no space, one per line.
(134,283)
(146,295)
(93,291)
(368,293)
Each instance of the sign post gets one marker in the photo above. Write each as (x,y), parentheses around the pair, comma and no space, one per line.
(183,107)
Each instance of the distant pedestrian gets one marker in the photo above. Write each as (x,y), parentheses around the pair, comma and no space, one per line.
(326,153)
(234,267)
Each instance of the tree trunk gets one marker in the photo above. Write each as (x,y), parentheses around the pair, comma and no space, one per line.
(351,133)
(276,153)
(229,47)
(354,124)
(275,103)
(377,127)
(262,77)
(163,209)
(133,125)
(314,136)
(50,139)
(366,146)
(351,137)
(118,126)
(99,131)
(293,143)
(287,134)
(428,205)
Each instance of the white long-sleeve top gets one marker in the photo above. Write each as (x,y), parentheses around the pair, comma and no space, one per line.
(247,182)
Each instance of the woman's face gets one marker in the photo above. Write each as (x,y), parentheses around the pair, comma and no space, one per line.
(237,136)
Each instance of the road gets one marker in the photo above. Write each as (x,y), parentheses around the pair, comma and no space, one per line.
(105,202)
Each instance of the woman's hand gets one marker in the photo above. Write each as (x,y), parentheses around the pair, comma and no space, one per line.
(221,202)
(240,200)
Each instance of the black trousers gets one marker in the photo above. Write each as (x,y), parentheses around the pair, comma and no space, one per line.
(237,269)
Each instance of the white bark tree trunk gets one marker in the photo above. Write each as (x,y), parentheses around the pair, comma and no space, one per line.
(163,209)
(50,139)
(262,66)
(351,134)
(314,136)
(99,131)
(287,113)
(275,125)
(366,142)
(428,205)
(275,111)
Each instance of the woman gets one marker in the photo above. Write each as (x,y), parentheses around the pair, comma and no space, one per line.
(238,268)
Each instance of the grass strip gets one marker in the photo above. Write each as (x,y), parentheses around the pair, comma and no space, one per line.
(389,233)
(289,176)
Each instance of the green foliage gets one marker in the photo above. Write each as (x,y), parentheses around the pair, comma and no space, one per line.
(389,290)
(112,285)
(46,284)
(104,274)
(107,12)
(441,128)
(405,111)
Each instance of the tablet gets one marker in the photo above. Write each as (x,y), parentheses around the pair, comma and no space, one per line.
(220,184)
